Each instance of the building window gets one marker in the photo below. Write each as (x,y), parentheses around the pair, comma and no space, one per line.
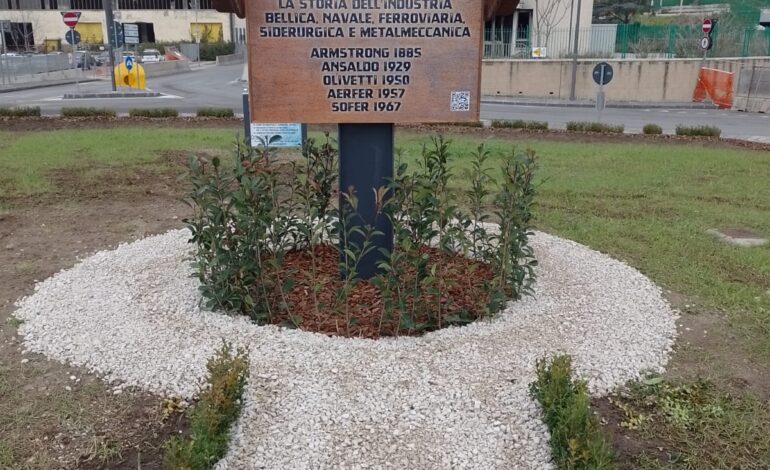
(87,5)
(144,4)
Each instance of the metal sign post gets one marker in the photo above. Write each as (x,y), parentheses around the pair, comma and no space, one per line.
(366,163)
(4,25)
(112,40)
(71,19)
(602,75)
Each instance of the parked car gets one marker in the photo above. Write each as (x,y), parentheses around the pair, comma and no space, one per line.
(151,56)
(103,58)
(85,60)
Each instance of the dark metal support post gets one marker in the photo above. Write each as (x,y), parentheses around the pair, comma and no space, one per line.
(366,163)
(246,117)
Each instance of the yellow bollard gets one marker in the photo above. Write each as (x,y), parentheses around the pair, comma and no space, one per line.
(133,78)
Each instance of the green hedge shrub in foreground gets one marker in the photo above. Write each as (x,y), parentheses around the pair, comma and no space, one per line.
(576,439)
(520,124)
(212,416)
(652,129)
(585,126)
(153,112)
(215,112)
(20,111)
(87,112)
(700,131)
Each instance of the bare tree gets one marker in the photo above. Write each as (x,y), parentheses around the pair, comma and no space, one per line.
(22,30)
(548,14)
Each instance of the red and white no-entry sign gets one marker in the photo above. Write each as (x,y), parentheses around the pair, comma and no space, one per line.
(70,18)
(707,26)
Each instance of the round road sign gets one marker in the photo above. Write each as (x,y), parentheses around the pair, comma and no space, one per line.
(603,73)
(72,37)
(71,18)
(706,43)
(707,24)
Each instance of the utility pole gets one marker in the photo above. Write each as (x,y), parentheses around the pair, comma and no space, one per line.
(571,15)
(111,39)
(575,53)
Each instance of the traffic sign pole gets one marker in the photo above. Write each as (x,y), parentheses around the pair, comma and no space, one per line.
(110,20)
(602,75)
(2,51)
(75,59)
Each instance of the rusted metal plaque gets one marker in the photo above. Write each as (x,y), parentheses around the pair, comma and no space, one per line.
(364,61)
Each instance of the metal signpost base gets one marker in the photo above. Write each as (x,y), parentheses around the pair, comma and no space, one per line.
(366,163)
(247,118)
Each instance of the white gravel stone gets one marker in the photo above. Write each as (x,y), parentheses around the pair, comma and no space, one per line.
(455,398)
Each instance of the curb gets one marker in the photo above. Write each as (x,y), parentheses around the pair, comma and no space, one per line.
(117,94)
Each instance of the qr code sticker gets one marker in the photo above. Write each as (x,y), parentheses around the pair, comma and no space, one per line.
(460,101)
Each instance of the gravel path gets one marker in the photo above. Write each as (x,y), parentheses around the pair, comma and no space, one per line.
(456,398)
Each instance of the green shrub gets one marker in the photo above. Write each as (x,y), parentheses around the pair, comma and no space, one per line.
(215,112)
(20,111)
(652,129)
(519,124)
(250,216)
(600,127)
(576,439)
(699,131)
(210,51)
(213,415)
(153,112)
(87,112)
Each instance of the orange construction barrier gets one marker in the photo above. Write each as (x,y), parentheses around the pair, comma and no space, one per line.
(716,85)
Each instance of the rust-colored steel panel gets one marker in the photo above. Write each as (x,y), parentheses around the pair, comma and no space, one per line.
(364,61)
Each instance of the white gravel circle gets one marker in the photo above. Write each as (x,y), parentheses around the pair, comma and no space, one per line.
(456,398)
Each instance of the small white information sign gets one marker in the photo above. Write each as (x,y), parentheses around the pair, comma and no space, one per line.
(276,135)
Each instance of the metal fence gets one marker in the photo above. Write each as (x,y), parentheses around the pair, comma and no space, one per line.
(26,68)
(627,41)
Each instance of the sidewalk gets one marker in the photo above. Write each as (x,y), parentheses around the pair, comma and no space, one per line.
(556,102)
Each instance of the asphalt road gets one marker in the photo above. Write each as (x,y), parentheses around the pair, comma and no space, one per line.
(210,85)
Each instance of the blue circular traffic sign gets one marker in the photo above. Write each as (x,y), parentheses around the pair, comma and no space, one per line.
(129,62)
(602,73)
(72,37)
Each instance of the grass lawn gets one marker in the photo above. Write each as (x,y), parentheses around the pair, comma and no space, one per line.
(29,160)
(648,204)
(651,204)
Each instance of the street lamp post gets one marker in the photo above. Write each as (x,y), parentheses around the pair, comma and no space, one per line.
(575,53)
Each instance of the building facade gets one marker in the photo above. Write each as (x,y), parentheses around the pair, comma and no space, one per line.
(529,28)
(36,25)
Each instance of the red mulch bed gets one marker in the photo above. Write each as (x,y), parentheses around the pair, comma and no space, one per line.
(461,281)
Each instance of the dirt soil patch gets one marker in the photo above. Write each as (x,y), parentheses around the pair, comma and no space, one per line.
(707,349)
(52,415)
